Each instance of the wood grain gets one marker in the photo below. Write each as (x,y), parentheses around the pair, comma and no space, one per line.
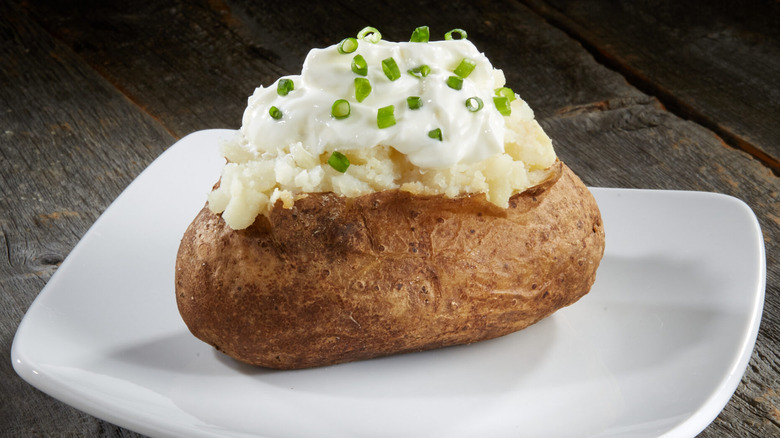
(91,94)
(204,59)
(181,62)
(70,143)
(718,65)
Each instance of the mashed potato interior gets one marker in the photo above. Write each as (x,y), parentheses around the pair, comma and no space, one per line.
(253,181)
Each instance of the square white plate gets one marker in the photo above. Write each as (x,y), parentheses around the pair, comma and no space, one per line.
(657,348)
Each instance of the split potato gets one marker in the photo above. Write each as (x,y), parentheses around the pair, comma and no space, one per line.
(336,279)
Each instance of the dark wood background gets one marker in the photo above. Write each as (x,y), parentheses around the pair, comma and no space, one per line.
(649,94)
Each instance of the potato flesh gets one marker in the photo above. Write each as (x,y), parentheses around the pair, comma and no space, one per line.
(336,279)
(252,180)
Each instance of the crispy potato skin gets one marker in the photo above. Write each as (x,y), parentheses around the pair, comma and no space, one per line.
(337,279)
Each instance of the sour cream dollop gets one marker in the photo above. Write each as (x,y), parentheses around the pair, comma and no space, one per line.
(467,137)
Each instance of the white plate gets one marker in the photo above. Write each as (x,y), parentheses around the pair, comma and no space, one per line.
(657,348)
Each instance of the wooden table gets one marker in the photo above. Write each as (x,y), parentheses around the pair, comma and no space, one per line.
(655,95)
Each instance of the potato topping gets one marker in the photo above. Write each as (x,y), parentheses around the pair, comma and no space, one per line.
(424,117)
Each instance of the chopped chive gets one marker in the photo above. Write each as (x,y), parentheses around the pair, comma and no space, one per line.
(414,102)
(359,65)
(465,68)
(370,34)
(362,88)
(385,117)
(391,69)
(340,109)
(435,134)
(474,104)
(420,72)
(275,113)
(420,35)
(502,105)
(347,45)
(459,32)
(505,92)
(455,82)
(284,86)
(338,161)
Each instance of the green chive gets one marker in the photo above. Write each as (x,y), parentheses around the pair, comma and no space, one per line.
(391,69)
(465,68)
(338,161)
(420,72)
(370,34)
(284,86)
(474,104)
(275,113)
(454,82)
(502,105)
(385,117)
(347,45)
(460,32)
(359,65)
(414,102)
(505,92)
(420,35)
(435,134)
(340,109)
(362,88)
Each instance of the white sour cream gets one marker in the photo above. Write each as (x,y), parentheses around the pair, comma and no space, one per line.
(467,137)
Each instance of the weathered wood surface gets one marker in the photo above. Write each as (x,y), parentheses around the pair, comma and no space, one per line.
(90,95)
(715,64)
(69,143)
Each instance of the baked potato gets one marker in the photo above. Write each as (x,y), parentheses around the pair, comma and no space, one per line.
(336,279)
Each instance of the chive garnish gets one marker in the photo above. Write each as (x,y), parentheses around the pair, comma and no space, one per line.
(502,105)
(455,82)
(414,102)
(420,72)
(391,69)
(370,34)
(505,92)
(338,161)
(275,113)
(474,104)
(465,68)
(359,65)
(340,109)
(347,45)
(459,32)
(362,88)
(284,86)
(385,117)
(435,134)
(420,35)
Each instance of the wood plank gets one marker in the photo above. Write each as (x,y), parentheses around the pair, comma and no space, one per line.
(186,63)
(514,40)
(69,144)
(203,59)
(191,65)
(717,64)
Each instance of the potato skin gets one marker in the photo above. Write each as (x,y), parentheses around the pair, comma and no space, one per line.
(337,279)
